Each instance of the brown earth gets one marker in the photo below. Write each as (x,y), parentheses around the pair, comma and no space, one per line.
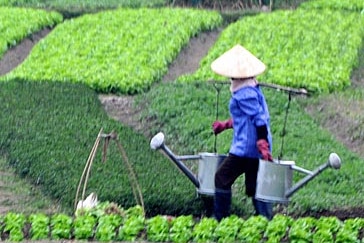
(122,108)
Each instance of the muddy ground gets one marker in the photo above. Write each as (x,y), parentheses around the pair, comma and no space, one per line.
(122,109)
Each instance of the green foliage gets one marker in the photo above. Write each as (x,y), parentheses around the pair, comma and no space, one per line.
(228,229)
(14,224)
(305,59)
(316,50)
(185,115)
(131,228)
(158,229)
(50,133)
(110,227)
(277,228)
(61,226)
(107,222)
(18,23)
(84,227)
(181,229)
(40,226)
(349,232)
(326,229)
(16,2)
(107,225)
(331,223)
(203,231)
(351,5)
(136,211)
(253,229)
(302,230)
(96,55)
(82,6)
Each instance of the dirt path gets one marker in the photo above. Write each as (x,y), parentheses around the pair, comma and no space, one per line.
(19,196)
(342,114)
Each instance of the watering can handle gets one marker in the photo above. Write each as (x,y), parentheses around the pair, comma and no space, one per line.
(217,112)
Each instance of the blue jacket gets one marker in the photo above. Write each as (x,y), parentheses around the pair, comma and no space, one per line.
(248,109)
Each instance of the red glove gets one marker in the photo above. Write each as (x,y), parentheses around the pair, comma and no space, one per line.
(219,126)
(263,148)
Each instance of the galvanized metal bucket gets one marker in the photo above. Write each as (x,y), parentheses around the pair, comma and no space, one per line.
(274,180)
(207,166)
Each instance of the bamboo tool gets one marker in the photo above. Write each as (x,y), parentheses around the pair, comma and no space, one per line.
(86,170)
(288,90)
(132,176)
(272,86)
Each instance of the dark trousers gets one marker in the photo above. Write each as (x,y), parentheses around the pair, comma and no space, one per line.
(231,168)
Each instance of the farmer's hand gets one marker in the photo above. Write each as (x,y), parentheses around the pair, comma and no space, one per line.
(219,126)
(263,148)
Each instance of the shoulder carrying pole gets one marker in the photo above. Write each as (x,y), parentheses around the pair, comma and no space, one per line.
(289,90)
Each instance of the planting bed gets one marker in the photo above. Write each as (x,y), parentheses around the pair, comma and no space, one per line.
(122,109)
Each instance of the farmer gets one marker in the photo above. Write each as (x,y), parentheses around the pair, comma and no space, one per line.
(249,118)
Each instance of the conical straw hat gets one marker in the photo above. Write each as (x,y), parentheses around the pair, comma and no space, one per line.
(238,63)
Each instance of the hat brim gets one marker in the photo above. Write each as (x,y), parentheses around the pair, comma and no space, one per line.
(238,63)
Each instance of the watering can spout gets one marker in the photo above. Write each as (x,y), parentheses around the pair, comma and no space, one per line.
(157,142)
(334,162)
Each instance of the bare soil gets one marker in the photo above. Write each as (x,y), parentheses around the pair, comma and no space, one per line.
(122,108)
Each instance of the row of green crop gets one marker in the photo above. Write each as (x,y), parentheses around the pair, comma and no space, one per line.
(313,49)
(19,23)
(351,5)
(124,50)
(48,131)
(108,222)
(72,6)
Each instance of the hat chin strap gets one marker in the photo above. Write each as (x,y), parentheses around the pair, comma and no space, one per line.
(237,84)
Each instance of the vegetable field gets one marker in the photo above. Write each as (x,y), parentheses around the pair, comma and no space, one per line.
(316,50)
(51,114)
(127,57)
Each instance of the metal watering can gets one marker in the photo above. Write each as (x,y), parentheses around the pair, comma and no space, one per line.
(274,183)
(207,166)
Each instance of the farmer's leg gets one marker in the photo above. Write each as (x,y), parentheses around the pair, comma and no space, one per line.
(263,208)
(229,170)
